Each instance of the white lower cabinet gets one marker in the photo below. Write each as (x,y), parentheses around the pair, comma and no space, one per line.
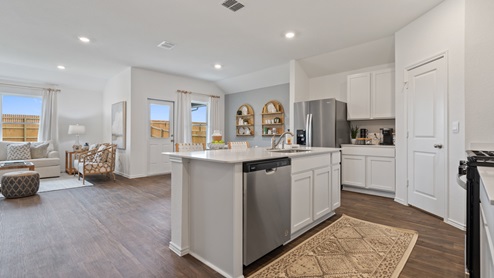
(486,233)
(315,188)
(380,173)
(335,186)
(301,200)
(353,170)
(368,167)
(486,248)
(322,192)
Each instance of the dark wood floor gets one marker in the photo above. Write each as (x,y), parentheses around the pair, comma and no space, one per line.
(122,229)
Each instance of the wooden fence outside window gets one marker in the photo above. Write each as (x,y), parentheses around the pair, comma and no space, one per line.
(20,128)
(161,129)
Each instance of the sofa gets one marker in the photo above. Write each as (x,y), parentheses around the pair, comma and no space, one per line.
(46,160)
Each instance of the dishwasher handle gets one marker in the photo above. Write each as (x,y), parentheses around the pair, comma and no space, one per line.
(270,171)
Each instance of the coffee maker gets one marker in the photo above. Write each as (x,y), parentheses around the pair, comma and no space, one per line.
(386,136)
(363,133)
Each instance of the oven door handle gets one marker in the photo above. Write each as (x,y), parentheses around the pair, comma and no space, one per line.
(460,181)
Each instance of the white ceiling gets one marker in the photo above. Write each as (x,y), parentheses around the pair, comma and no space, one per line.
(36,36)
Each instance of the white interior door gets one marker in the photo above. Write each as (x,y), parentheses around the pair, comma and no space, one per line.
(160,128)
(427,149)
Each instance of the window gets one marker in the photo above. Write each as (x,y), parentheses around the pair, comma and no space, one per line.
(20,117)
(160,120)
(199,122)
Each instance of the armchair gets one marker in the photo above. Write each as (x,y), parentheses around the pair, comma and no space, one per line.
(97,161)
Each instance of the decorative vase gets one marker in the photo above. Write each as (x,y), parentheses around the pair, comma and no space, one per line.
(353,140)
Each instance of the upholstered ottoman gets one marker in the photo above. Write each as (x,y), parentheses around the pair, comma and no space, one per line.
(20,184)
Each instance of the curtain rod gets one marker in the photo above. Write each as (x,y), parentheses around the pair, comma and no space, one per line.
(188,92)
(30,87)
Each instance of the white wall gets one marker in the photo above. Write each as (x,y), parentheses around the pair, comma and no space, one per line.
(479,67)
(439,30)
(335,85)
(260,79)
(150,84)
(78,107)
(118,89)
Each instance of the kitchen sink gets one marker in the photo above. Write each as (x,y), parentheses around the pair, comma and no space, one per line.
(291,151)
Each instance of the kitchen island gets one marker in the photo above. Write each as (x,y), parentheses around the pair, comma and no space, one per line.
(206,198)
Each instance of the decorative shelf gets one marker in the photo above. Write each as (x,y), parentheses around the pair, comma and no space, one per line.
(273,118)
(244,120)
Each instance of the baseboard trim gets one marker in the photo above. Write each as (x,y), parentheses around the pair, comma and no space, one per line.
(310,226)
(215,268)
(137,176)
(177,250)
(401,201)
(456,224)
(369,191)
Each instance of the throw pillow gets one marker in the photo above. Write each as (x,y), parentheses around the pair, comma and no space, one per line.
(101,155)
(19,151)
(39,150)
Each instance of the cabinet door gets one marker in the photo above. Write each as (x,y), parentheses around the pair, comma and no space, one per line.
(380,173)
(486,248)
(383,97)
(322,192)
(353,170)
(301,200)
(359,96)
(336,187)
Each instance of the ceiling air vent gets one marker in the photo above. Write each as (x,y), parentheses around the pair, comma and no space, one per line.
(166,45)
(233,5)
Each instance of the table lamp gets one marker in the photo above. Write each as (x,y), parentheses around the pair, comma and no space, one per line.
(77,130)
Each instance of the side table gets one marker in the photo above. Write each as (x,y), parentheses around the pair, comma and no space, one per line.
(69,161)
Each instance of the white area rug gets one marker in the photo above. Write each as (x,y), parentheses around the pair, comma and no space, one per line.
(65,181)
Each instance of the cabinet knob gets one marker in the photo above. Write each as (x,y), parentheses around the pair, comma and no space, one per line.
(438,146)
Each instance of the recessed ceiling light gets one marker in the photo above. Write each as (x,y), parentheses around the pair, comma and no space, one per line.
(60,67)
(218,66)
(289,35)
(84,39)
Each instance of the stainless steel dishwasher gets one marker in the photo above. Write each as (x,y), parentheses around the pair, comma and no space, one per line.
(267,206)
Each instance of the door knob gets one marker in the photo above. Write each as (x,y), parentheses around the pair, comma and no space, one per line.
(438,146)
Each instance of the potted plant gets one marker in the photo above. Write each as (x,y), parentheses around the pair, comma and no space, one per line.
(353,133)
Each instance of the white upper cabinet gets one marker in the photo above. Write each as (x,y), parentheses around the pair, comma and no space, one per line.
(359,96)
(370,95)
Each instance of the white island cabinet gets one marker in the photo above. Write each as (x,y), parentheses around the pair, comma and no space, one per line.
(368,169)
(207,203)
(315,190)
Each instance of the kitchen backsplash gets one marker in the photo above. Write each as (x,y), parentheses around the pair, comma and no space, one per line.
(374,126)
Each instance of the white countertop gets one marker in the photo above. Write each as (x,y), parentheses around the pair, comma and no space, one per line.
(251,154)
(374,146)
(487,176)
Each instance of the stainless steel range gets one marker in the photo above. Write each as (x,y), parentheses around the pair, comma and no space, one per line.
(475,158)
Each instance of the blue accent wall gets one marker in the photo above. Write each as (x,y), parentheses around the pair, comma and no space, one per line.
(257,99)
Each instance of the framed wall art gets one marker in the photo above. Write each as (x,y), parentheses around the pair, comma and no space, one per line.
(118,115)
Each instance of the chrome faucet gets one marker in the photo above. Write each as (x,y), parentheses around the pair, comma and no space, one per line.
(275,143)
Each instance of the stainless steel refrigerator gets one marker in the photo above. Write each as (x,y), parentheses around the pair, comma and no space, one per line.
(323,123)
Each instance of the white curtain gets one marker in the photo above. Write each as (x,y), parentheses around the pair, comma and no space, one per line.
(214,115)
(184,120)
(48,127)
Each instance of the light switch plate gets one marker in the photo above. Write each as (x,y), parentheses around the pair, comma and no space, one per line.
(455,127)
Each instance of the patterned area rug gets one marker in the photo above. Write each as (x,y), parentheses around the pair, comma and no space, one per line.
(349,248)
(65,181)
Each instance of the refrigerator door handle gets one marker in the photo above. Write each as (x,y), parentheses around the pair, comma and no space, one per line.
(308,128)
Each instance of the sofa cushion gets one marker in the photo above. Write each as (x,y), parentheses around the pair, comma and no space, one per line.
(39,150)
(45,162)
(19,151)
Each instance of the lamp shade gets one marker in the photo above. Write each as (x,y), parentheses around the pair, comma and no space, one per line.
(77,129)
